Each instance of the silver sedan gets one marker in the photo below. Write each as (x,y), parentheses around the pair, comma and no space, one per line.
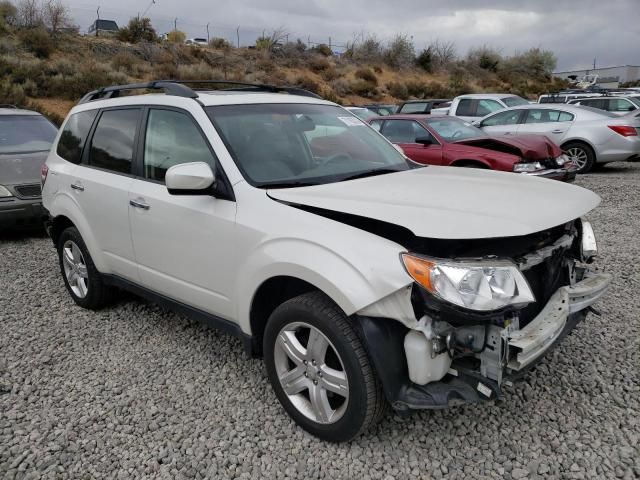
(586,134)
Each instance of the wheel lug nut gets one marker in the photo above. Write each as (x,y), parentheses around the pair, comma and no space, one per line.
(306,374)
(304,361)
(315,382)
(313,361)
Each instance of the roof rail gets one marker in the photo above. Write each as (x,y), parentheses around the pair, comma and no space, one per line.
(249,87)
(179,88)
(7,105)
(170,88)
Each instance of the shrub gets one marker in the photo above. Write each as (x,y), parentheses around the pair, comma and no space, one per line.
(340,86)
(367,75)
(199,71)
(398,90)
(363,88)
(219,43)
(318,64)
(416,88)
(370,50)
(425,60)
(400,53)
(323,49)
(176,36)
(330,74)
(8,12)
(7,46)
(123,61)
(37,41)
(12,93)
(308,83)
(138,30)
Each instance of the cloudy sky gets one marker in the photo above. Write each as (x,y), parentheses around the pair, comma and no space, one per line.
(576,30)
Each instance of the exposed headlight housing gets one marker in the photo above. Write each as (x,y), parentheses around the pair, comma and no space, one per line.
(527,167)
(4,192)
(588,245)
(482,285)
(563,159)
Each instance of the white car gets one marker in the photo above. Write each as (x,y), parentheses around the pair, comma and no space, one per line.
(588,135)
(477,105)
(360,278)
(618,105)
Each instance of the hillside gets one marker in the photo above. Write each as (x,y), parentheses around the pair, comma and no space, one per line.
(50,73)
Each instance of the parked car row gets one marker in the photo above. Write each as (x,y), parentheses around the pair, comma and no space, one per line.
(362,278)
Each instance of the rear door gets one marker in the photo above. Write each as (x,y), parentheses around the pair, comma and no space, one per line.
(100,186)
(405,133)
(183,243)
(502,123)
(553,123)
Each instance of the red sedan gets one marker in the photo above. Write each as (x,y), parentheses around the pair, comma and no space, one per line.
(450,141)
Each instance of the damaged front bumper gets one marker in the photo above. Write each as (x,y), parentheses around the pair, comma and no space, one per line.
(507,352)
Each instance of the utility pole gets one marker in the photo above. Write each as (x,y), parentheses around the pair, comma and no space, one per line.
(97,21)
(594,63)
(208,39)
(238,35)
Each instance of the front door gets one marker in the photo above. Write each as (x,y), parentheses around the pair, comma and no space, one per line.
(183,244)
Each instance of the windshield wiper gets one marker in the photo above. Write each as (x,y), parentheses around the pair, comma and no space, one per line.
(371,173)
(286,184)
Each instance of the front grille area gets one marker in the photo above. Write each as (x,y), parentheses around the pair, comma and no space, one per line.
(28,191)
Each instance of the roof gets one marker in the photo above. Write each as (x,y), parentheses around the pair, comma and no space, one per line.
(487,95)
(17,111)
(102,24)
(427,100)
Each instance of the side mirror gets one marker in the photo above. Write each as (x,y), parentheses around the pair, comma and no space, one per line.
(424,141)
(189,179)
(476,123)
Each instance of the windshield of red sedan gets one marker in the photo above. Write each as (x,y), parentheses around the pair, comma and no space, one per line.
(454,129)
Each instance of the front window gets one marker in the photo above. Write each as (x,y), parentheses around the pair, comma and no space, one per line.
(25,133)
(509,117)
(281,145)
(454,129)
(514,101)
(414,107)
(403,131)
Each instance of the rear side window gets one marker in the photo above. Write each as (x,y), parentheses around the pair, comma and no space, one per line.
(74,135)
(113,140)
(485,107)
(503,118)
(466,108)
(414,107)
(172,138)
(547,116)
(620,105)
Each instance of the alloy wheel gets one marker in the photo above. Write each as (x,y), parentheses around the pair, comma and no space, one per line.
(579,156)
(75,269)
(311,373)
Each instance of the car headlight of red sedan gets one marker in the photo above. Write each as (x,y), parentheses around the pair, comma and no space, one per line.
(527,167)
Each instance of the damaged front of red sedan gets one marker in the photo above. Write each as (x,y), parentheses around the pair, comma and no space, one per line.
(450,141)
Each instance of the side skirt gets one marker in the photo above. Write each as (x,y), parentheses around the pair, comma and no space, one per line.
(206,318)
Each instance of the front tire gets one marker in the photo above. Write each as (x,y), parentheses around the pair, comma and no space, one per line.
(320,370)
(83,281)
(582,154)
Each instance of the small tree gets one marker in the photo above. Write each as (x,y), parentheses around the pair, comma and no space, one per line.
(8,12)
(267,42)
(444,54)
(219,43)
(176,36)
(425,60)
(369,50)
(400,53)
(29,14)
(138,30)
(56,15)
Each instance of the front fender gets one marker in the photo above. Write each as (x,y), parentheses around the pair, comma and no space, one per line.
(353,282)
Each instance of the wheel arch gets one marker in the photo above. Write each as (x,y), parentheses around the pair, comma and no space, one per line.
(580,140)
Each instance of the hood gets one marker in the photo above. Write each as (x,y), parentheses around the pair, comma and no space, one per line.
(450,202)
(19,168)
(529,147)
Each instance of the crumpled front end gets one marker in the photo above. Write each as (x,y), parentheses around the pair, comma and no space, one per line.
(450,354)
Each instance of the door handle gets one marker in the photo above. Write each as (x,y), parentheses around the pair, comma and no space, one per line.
(137,204)
(557,131)
(77,187)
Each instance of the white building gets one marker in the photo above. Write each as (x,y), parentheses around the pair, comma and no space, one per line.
(608,76)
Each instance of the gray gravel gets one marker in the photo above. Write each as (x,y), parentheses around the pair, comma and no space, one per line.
(134,391)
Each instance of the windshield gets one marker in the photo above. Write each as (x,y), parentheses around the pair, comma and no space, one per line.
(25,133)
(363,113)
(635,100)
(282,145)
(454,129)
(514,101)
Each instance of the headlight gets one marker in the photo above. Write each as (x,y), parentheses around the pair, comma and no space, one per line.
(482,285)
(4,192)
(525,167)
(563,159)
(588,245)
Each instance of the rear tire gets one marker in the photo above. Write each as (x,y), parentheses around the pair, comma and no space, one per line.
(312,350)
(582,154)
(83,281)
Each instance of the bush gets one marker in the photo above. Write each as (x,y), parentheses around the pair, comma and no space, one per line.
(8,13)
(123,61)
(318,64)
(398,90)
(308,83)
(37,41)
(11,93)
(219,43)
(176,36)
(330,74)
(425,60)
(400,53)
(363,88)
(370,50)
(323,49)
(138,30)
(367,75)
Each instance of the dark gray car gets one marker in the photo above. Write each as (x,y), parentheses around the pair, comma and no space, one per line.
(25,140)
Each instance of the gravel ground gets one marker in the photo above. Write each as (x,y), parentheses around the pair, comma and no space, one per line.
(134,391)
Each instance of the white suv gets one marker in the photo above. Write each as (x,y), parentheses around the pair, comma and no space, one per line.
(285,220)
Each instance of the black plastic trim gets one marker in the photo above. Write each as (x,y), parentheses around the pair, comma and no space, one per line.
(206,318)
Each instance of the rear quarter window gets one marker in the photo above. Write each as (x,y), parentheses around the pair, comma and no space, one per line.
(74,135)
